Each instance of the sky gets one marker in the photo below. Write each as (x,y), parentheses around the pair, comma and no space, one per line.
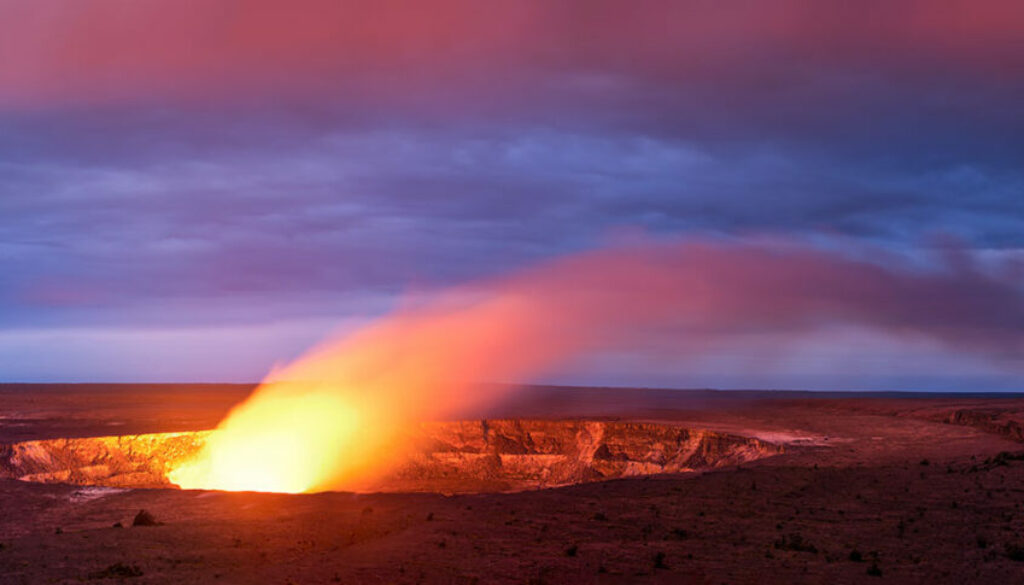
(197,191)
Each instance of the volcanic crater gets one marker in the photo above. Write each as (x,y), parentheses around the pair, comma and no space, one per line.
(447,457)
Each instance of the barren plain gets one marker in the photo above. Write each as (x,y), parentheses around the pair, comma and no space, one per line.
(733,487)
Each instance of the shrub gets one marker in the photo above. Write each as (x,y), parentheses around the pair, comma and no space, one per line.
(117,570)
(795,541)
(1014,552)
(680,533)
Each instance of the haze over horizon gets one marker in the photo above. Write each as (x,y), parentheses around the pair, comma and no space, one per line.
(200,192)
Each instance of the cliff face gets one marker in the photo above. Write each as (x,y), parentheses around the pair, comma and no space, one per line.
(523,454)
(993,421)
(469,456)
(122,461)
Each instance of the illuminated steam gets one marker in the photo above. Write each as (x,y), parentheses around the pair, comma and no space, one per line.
(333,418)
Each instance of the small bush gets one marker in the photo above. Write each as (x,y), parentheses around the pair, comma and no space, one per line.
(796,542)
(117,570)
(874,570)
(571,551)
(856,557)
(1002,459)
(1015,552)
(659,560)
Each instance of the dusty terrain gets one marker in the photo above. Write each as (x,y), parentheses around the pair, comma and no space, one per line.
(884,488)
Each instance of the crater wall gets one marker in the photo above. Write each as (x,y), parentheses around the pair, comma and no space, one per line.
(461,456)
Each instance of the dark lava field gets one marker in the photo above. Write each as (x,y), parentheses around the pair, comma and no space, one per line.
(563,488)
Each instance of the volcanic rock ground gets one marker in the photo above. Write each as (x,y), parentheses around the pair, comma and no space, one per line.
(883,488)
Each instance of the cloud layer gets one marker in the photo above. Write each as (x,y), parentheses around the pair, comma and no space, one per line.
(171,167)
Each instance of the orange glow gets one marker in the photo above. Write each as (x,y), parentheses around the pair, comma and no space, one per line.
(331,419)
(284,440)
(335,418)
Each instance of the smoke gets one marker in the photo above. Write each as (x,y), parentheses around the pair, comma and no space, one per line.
(334,417)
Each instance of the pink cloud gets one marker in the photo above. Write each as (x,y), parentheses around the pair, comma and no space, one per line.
(97,51)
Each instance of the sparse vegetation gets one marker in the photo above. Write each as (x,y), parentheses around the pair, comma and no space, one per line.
(117,571)
(659,560)
(1014,551)
(1001,459)
(874,570)
(795,542)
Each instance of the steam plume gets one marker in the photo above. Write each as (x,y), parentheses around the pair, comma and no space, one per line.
(331,419)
